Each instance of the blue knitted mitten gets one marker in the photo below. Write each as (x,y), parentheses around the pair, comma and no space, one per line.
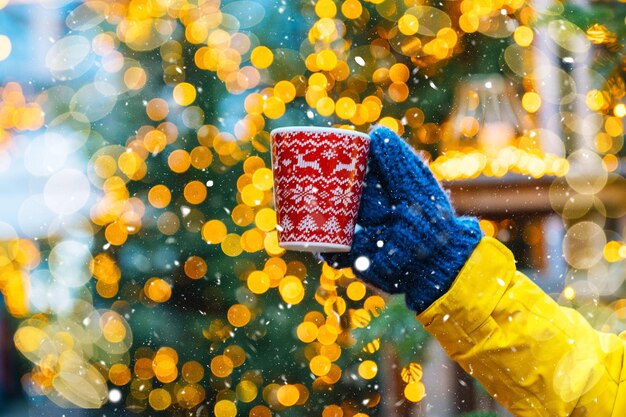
(410,239)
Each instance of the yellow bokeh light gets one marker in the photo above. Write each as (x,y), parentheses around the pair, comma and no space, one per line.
(157,109)
(214,231)
(523,36)
(239,315)
(225,408)
(291,289)
(192,372)
(325,106)
(258,282)
(201,157)
(307,332)
(113,329)
(414,391)
(326,8)
(320,365)
(352,9)
(184,94)
(288,395)
(356,290)
(195,192)
(531,102)
(611,251)
(326,60)
(246,391)
(27,339)
(154,141)
(179,161)
(265,219)
(412,373)
(231,245)
(195,267)
(262,57)
(159,399)
(408,24)
(595,100)
(368,369)
(263,179)
(135,78)
(569,293)
(158,290)
(285,91)
(619,110)
(345,108)
(252,196)
(5,47)
(274,108)
(119,374)
(221,366)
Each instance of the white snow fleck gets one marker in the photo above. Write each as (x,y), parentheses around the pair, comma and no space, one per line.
(359,60)
(362,263)
(500,282)
(115,395)
(446,318)
(380,244)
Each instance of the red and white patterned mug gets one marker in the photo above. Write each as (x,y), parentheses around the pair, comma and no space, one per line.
(318,179)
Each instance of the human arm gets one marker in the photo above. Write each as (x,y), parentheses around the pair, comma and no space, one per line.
(535,357)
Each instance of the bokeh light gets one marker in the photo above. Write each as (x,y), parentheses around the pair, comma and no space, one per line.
(164,235)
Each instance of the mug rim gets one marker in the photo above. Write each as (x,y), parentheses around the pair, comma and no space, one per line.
(318,129)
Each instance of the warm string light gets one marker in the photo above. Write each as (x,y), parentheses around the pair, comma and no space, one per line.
(16,115)
(18,257)
(455,165)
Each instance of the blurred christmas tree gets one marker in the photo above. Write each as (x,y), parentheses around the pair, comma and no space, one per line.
(194,308)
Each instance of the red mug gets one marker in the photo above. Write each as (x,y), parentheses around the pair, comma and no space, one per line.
(318,179)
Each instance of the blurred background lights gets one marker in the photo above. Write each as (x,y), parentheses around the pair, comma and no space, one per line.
(5,47)
(139,243)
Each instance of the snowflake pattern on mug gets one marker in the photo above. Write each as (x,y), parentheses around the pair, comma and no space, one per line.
(306,194)
(341,197)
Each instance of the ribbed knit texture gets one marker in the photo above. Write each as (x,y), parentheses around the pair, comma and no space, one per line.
(413,240)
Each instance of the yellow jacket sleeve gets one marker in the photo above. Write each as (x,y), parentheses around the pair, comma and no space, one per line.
(534,357)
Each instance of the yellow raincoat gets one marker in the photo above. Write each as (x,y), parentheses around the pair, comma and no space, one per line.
(534,357)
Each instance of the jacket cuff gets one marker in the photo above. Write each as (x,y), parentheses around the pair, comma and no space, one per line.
(475,292)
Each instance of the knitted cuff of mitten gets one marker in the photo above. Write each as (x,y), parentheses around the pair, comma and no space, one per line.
(443,267)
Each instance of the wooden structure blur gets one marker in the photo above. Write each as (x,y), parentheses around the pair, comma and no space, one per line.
(517,194)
